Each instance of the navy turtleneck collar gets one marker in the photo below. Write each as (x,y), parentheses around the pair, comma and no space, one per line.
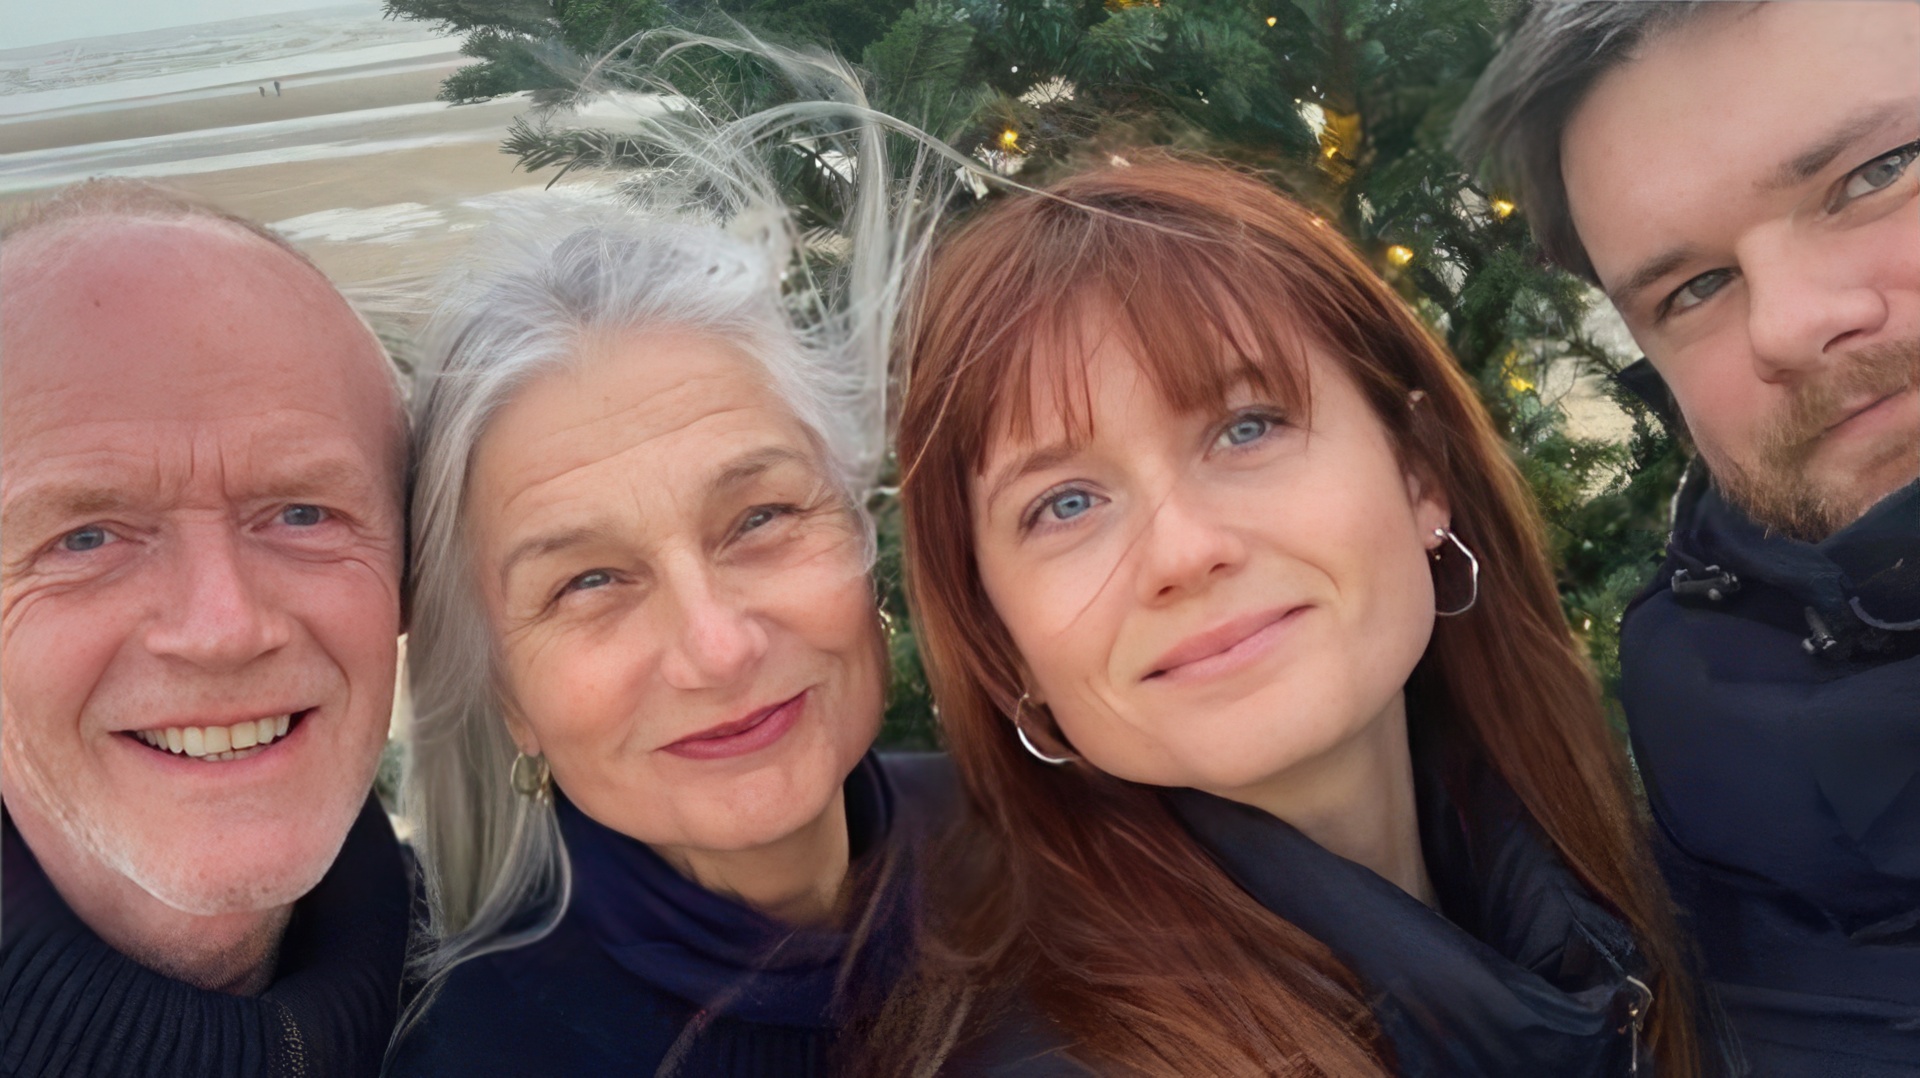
(717,953)
(71,1004)
(1520,971)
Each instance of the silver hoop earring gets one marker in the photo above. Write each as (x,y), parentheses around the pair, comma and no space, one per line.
(1027,743)
(1473,565)
(531,779)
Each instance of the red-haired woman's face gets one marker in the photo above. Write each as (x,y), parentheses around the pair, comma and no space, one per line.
(1221,601)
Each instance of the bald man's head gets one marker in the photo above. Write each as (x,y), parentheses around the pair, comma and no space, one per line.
(41,228)
(201,540)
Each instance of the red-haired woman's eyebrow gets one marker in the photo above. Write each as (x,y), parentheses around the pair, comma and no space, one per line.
(1038,460)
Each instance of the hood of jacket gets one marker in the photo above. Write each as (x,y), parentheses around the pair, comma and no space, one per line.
(1519,970)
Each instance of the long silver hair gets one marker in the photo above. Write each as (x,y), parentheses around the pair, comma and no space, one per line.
(703,243)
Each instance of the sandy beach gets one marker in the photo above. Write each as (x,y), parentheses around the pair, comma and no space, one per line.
(354,159)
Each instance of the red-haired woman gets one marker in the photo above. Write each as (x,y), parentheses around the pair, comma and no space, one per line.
(1247,647)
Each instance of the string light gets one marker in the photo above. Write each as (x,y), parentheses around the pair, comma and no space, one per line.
(1272,19)
(1501,208)
(1399,254)
(1010,139)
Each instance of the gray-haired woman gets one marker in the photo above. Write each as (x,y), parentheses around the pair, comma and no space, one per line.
(646,660)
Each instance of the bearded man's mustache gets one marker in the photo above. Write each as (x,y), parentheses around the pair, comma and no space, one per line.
(1865,376)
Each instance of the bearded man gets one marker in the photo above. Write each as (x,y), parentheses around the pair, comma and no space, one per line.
(1743,181)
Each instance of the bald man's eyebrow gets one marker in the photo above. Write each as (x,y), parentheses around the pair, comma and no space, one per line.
(29,516)
(1809,162)
(326,477)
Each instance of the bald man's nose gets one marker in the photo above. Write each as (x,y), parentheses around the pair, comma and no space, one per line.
(219,614)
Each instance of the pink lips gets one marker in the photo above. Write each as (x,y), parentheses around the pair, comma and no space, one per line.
(742,736)
(1866,410)
(1225,647)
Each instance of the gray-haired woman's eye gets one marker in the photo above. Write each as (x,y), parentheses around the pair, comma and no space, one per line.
(592,578)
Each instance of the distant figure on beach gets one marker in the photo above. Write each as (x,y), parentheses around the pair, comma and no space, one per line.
(276,89)
(198,648)
(263,91)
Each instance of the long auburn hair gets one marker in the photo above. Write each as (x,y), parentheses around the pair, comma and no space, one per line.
(1082,894)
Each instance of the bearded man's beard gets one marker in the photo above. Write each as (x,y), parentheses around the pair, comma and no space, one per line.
(1777,491)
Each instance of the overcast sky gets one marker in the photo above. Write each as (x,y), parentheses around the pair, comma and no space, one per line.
(36,22)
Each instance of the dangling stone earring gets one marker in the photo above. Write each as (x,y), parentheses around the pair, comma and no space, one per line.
(530,778)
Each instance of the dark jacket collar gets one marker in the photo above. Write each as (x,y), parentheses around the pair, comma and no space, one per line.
(718,953)
(1770,685)
(71,1004)
(1858,590)
(1519,972)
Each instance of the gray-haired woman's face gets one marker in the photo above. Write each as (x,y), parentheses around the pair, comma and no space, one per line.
(678,594)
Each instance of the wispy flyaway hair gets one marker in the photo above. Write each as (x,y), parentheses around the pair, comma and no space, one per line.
(702,242)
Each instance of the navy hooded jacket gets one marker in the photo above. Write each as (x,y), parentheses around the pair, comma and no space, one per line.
(1520,971)
(1773,691)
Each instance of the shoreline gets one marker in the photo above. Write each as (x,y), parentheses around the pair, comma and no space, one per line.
(236,105)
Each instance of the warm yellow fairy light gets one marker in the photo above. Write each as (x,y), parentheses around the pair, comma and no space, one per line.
(1010,139)
(1272,19)
(1331,150)
(1501,207)
(1399,254)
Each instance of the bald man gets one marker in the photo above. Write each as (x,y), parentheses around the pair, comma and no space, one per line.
(202,457)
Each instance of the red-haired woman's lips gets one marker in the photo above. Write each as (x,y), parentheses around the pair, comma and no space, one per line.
(1225,647)
(741,736)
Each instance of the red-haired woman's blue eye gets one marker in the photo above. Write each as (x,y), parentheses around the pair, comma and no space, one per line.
(1070,504)
(1247,428)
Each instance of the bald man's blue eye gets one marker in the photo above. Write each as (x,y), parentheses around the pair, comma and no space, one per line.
(302,516)
(85,539)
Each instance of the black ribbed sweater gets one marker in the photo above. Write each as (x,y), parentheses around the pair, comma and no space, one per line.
(72,1005)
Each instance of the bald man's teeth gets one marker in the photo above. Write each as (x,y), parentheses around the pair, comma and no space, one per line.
(236,742)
